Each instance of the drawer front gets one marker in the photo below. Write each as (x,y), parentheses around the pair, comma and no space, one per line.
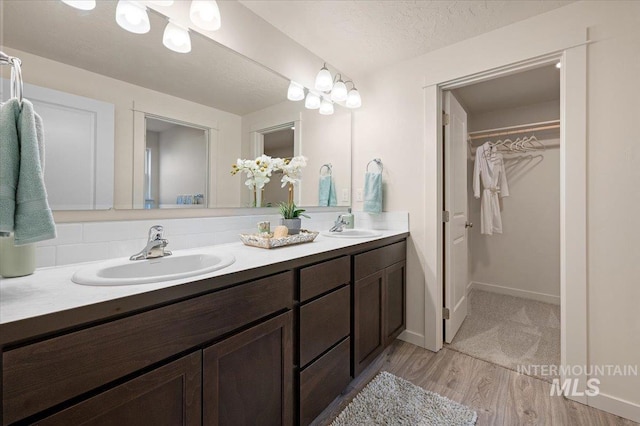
(44,374)
(320,278)
(376,260)
(323,381)
(324,322)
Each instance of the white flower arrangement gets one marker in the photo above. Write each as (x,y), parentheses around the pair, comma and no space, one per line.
(259,171)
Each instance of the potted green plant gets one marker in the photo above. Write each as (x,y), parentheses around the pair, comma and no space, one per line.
(291,217)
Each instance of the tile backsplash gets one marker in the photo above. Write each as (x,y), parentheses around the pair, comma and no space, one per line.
(90,241)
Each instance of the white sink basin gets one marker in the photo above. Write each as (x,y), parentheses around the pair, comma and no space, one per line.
(353,233)
(129,272)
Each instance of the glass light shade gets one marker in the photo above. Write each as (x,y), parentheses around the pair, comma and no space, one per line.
(312,101)
(205,14)
(326,107)
(176,38)
(162,2)
(81,4)
(324,81)
(295,92)
(353,99)
(339,91)
(132,17)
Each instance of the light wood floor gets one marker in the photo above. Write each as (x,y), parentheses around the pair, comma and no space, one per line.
(499,396)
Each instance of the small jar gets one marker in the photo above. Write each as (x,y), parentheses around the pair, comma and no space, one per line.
(16,261)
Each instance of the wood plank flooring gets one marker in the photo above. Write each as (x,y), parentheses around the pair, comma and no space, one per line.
(499,396)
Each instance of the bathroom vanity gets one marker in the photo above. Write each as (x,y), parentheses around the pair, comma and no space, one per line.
(260,343)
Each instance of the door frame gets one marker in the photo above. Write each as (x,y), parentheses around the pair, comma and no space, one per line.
(573,197)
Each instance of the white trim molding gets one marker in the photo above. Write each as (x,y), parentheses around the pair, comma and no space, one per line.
(510,291)
(617,406)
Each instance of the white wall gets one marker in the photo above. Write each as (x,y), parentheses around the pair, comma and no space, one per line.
(525,260)
(393,124)
(182,163)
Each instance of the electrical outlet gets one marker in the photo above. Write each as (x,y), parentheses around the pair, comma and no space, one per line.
(359,194)
(345,195)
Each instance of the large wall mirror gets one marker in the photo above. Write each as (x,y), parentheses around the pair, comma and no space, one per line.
(178,121)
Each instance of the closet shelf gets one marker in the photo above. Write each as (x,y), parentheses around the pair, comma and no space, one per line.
(514,130)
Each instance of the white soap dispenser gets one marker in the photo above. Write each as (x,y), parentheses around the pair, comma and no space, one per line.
(348,219)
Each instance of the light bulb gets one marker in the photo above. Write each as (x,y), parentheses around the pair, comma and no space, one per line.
(132,17)
(312,101)
(205,14)
(324,81)
(176,38)
(81,4)
(326,107)
(339,91)
(295,92)
(559,65)
(353,99)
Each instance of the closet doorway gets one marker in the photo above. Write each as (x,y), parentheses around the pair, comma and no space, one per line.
(502,259)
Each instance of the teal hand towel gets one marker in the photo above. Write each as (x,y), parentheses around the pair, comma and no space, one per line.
(327,192)
(372,192)
(33,217)
(9,164)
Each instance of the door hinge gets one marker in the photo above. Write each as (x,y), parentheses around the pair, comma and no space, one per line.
(445,313)
(445,119)
(445,216)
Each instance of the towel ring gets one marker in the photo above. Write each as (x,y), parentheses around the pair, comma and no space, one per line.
(378,162)
(329,169)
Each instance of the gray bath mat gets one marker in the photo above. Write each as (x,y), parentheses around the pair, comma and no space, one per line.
(390,400)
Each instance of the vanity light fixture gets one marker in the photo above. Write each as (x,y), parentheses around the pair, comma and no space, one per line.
(312,101)
(205,14)
(81,4)
(559,65)
(176,38)
(339,90)
(324,81)
(295,92)
(132,16)
(353,98)
(326,107)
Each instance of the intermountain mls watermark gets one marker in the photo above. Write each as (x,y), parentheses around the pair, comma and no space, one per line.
(572,386)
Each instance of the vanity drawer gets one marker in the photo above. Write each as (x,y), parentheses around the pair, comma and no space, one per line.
(323,381)
(324,322)
(43,374)
(376,260)
(325,276)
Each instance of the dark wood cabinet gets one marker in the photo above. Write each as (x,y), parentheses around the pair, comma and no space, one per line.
(379,294)
(166,396)
(248,378)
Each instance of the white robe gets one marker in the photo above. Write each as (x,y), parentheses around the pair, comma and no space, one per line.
(489,167)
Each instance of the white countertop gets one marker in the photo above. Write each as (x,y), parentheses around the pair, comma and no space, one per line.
(51,290)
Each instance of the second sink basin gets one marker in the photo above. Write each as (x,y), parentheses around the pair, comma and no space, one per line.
(128,272)
(353,233)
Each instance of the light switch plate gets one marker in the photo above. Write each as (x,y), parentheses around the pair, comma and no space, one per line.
(345,195)
(359,194)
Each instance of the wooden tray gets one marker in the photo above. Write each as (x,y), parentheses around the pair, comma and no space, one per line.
(257,240)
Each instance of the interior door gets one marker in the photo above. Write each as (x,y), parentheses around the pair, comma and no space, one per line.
(456,270)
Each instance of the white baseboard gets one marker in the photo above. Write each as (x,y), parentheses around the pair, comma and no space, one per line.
(617,406)
(540,297)
(412,337)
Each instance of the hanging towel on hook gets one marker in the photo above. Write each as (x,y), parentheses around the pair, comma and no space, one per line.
(327,192)
(373,192)
(24,208)
(489,168)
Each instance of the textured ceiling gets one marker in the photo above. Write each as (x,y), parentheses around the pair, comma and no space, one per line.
(360,36)
(210,74)
(516,90)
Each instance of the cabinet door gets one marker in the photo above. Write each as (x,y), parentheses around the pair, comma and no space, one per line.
(368,320)
(395,301)
(168,395)
(247,378)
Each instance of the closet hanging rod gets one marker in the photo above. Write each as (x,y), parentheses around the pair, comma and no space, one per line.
(514,130)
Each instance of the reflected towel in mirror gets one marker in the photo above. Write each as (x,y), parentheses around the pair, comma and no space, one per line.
(327,192)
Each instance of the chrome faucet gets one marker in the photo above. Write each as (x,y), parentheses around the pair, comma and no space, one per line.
(339,225)
(155,245)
